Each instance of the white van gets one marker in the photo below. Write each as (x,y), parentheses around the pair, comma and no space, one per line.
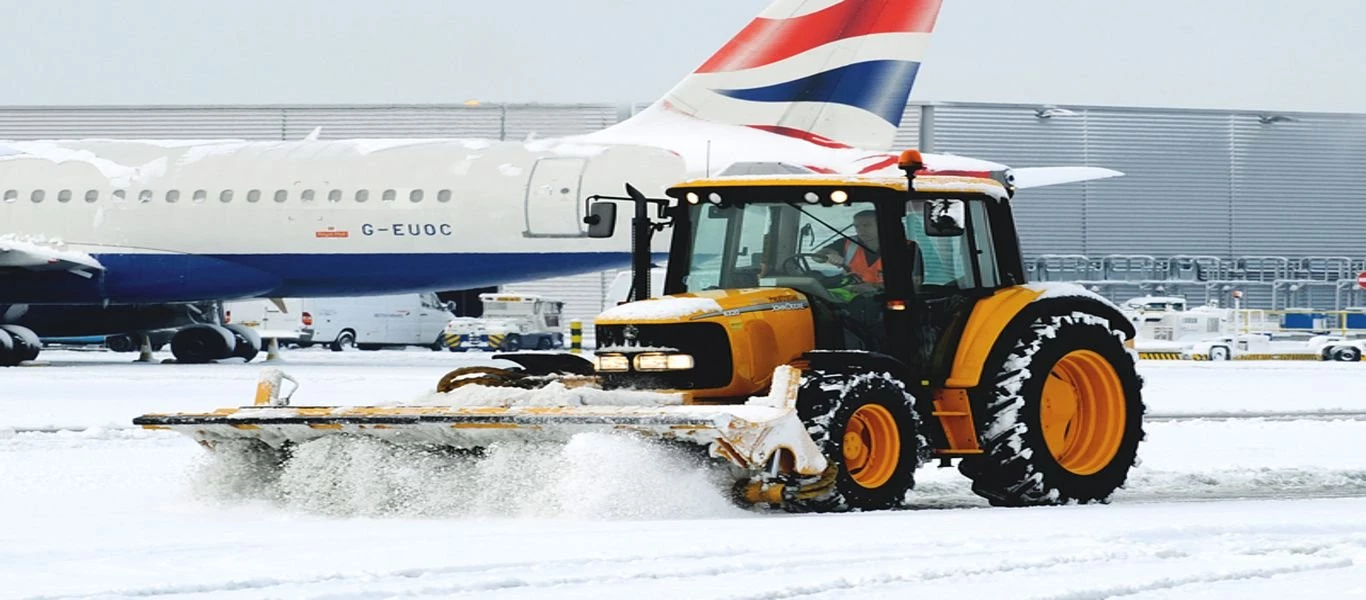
(368,323)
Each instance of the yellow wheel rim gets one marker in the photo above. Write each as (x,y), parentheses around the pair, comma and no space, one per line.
(872,446)
(1083,412)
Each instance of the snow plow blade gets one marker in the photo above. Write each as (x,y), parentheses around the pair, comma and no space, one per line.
(753,437)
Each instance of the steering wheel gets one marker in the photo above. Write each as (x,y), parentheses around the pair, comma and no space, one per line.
(800,264)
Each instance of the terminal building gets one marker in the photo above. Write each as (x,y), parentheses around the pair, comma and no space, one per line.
(1265,207)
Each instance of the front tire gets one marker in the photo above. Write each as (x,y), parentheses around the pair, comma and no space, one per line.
(866,424)
(1062,414)
(346,340)
(1347,354)
(1219,353)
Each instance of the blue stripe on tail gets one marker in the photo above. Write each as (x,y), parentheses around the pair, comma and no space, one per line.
(880,87)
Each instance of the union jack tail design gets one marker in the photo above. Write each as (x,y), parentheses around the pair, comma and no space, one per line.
(835,72)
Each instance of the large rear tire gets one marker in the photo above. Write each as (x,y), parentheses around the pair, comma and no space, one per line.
(1063,414)
(866,424)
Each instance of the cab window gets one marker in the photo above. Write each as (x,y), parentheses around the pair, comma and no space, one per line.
(947,258)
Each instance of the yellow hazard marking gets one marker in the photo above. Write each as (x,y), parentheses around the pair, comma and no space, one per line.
(246,426)
(325,425)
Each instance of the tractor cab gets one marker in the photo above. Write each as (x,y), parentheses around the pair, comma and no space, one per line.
(887,264)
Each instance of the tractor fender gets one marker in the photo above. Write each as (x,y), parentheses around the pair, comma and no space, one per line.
(550,363)
(845,361)
(992,316)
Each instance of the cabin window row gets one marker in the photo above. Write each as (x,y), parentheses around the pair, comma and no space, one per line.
(225,196)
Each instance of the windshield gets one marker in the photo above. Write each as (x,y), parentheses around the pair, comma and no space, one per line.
(837,246)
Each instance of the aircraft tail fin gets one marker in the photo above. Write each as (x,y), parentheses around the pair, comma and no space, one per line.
(835,72)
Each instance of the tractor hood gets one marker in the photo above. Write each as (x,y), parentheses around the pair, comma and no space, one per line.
(705,305)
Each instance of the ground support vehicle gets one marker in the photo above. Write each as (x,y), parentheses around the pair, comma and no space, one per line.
(819,390)
(1276,346)
(511,322)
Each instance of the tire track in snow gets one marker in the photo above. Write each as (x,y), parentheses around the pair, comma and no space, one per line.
(845,583)
(965,577)
(370,579)
(685,577)
(1272,415)
(1165,583)
(512,576)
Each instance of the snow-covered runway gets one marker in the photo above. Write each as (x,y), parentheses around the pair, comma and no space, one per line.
(1244,507)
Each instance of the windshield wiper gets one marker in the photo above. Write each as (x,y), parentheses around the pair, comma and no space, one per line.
(830,227)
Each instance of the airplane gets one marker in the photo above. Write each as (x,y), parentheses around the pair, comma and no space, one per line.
(94,233)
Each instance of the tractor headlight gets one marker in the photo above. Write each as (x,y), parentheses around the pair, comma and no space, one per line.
(659,361)
(612,363)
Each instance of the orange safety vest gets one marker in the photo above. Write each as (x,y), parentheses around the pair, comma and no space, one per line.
(856,260)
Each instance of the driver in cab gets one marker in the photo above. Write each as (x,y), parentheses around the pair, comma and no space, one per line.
(861,259)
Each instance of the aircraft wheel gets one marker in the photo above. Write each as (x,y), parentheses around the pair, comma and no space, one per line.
(8,357)
(26,343)
(121,343)
(246,342)
(200,344)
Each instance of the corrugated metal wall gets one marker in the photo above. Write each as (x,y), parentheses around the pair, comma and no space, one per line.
(1049,222)
(1297,186)
(1196,182)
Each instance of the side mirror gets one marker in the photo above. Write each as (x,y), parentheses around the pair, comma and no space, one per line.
(601,219)
(944,218)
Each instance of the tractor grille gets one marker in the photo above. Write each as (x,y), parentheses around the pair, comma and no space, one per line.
(706,342)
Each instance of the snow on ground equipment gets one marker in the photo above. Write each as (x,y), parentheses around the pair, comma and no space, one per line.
(511,322)
(821,387)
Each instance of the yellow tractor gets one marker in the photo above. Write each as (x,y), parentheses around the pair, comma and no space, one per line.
(822,335)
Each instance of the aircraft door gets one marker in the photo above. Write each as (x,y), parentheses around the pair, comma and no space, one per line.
(553,206)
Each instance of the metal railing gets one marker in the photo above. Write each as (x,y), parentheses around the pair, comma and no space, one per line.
(1263,282)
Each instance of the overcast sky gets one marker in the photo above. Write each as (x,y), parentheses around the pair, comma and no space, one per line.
(1252,54)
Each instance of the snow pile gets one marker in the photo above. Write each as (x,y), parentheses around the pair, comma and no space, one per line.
(560,147)
(783,386)
(660,309)
(595,476)
(46,248)
(553,394)
(116,173)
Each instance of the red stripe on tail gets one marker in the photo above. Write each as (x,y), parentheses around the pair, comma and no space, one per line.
(766,41)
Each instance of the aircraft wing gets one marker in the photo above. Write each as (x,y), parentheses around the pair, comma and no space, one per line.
(35,256)
(1032,177)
